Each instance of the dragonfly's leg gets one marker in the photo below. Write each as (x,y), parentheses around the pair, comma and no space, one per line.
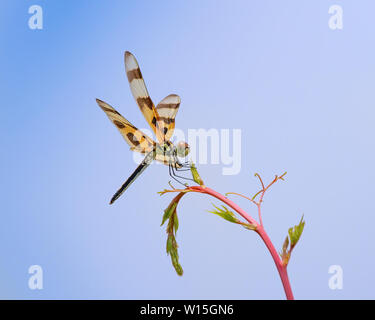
(170,168)
(174,173)
(183,169)
(185,164)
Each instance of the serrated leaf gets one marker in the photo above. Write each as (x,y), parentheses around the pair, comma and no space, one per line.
(249,226)
(294,235)
(169,244)
(195,174)
(170,214)
(225,214)
(175,222)
(172,244)
(167,212)
(286,244)
(285,254)
(177,265)
(296,232)
(178,269)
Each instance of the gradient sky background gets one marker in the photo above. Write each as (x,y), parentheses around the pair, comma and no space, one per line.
(302,94)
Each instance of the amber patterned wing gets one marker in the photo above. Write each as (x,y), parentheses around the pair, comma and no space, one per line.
(136,139)
(140,94)
(167,110)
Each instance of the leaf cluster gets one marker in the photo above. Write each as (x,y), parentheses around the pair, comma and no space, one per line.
(170,214)
(291,240)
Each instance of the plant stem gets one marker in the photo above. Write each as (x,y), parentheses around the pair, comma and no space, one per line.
(281,268)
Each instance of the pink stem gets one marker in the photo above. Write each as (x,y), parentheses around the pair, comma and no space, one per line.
(279,265)
(281,268)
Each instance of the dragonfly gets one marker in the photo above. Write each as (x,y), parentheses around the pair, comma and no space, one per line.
(162,122)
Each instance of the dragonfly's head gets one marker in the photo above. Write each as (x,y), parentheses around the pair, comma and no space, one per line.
(182,149)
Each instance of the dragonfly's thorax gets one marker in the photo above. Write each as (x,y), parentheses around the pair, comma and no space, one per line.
(167,153)
(166,149)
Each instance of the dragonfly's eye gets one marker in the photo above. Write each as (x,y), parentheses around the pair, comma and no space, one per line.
(182,149)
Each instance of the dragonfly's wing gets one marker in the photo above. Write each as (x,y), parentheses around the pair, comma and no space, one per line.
(144,164)
(140,93)
(136,139)
(167,110)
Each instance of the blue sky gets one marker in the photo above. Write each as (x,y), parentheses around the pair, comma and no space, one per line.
(301,93)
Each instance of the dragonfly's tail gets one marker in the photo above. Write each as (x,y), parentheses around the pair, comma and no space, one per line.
(130,180)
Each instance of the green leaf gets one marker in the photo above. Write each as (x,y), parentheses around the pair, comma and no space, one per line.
(172,251)
(225,214)
(169,244)
(249,226)
(295,233)
(168,212)
(175,222)
(176,263)
(195,174)
(228,215)
(285,254)
(286,244)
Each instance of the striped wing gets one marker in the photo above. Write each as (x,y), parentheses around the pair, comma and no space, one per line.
(167,110)
(140,93)
(136,139)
